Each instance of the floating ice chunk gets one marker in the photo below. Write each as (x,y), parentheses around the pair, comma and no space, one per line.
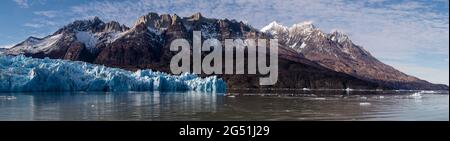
(416,95)
(8,98)
(20,73)
(429,92)
(231,96)
(364,104)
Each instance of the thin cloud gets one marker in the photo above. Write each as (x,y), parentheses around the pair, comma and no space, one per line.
(33,25)
(29,3)
(48,14)
(22,3)
(39,24)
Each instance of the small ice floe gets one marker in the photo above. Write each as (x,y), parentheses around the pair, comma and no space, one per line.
(306,89)
(319,98)
(363,98)
(429,92)
(364,104)
(348,89)
(231,95)
(416,95)
(8,98)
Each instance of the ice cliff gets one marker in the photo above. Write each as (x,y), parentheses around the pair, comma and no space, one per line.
(23,74)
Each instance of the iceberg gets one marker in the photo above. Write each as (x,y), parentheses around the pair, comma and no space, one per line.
(24,74)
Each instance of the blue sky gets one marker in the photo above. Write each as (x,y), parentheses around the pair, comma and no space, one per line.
(411,35)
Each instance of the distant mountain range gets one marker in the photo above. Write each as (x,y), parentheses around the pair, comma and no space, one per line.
(337,52)
(308,57)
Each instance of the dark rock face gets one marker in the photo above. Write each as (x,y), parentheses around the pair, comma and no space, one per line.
(138,49)
(146,46)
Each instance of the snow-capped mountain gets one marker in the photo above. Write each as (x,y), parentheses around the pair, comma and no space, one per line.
(308,58)
(80,40)
(337,52)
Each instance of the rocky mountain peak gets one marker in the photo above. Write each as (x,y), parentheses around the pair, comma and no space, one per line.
(197,16)
(304,28)
(32,39)
(165,20)
(94,25)
(304,25)
(153,21)
(273,26)
(149,20)
(339,37)
(176,19)
(114,26)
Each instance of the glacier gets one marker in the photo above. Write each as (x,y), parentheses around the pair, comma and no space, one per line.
(25,74)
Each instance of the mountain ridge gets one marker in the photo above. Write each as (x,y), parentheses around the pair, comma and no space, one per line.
(145,45)
(336,51)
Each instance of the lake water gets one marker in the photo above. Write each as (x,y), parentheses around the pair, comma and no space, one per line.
(238,105)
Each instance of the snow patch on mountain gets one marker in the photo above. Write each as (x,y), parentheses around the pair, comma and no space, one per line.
(20,73)
(208,31)
(34,45)
(273,25)
(304,26)
(303,45)
(339,36)
(47,43)
(154,31)
(89,39)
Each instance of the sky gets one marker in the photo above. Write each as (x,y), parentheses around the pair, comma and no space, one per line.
(410,35)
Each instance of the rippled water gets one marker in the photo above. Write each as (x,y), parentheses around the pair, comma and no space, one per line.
(243,105)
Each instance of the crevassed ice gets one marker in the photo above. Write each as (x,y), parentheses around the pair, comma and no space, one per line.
(23,74)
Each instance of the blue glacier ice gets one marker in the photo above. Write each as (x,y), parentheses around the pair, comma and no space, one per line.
(24,74)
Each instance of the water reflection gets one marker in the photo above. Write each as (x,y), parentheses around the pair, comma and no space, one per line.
(238,105)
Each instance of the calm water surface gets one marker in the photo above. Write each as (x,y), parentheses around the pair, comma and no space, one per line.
(243,105)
